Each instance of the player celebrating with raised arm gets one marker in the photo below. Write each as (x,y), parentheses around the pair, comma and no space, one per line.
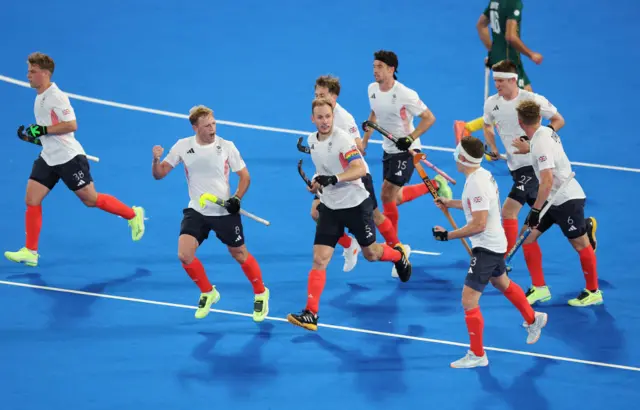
(500,111)
(393,107)
(329,87)
(62,157)
(481,205)
(504,18)
(207,160)
(552,168)
(345,202)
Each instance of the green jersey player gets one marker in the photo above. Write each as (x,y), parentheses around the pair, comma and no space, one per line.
(503,18)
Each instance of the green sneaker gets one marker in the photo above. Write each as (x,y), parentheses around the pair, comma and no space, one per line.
(538,294)
(137,223)
(587,298)
(205,302)
(261,306)
(444,190)
(24,255)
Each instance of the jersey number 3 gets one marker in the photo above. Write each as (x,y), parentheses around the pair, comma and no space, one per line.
(495,21)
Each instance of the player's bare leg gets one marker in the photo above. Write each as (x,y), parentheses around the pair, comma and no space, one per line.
(36,192)
(187,246)
(252,271)
(591,295)
(351,246)
(108,203)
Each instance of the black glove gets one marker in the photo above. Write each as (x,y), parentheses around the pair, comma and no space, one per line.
(488,63)
(32,134)
(524,138)
(302,148)
(232,205)
(533,219)
(325,180)
(440,235)
(404,143)
(365,128)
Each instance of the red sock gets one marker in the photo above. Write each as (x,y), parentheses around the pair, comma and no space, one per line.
(389,254)
(317,279)
(252,271)
(112,205)
(475,326)
(33,222)
(388,232)
(411,192)
(516,296)
(589,268)
(196,272)
(391,212)
(511,230)
(345,241)
(533,257)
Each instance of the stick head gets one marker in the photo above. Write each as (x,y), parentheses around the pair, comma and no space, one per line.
(417,157)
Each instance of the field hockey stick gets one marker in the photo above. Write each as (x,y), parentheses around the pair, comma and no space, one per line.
(544,210)
(487,72)
(389,136)
(220,202)
(306,180)
(36,141)
(302,148)
(434,193)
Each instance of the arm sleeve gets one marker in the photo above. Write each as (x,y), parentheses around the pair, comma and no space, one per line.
(487,10)
(173,158)
(235,159)
(547,110)
(478,198)
(514,10)
(487,116)
(414,105)
(352,129)
(63,109)
(349,151)
(542,154)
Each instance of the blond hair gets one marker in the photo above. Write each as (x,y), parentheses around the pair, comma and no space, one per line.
(319,102)
(41,60)
(528,112)
(198,112)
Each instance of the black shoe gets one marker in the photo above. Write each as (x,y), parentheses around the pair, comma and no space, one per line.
(592,225)
(305,319)
(403,266)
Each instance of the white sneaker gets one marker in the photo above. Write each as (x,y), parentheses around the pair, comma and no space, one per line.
(351,255)
(535,329)
(471,360)
(407,249)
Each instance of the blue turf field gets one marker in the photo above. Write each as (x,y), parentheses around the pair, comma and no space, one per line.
(106,323)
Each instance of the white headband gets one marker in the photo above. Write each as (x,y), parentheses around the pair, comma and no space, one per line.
(505,76)
(472,162)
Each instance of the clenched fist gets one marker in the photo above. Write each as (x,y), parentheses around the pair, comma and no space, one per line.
(157,152)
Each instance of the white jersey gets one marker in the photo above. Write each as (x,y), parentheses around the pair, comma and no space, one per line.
(50,108)
(503,114)
(345,121)
(481,194)
(331,157)
(207,170)
(547,153)
(394,110)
